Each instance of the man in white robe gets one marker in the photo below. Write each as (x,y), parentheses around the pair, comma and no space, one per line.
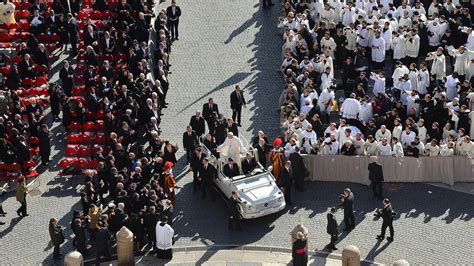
(232,148)
(378,50)
(452,83)
(350,108)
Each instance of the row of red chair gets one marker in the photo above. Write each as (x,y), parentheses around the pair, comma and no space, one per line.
(96,15)
(77,162)
(86,139)
(13,170)
(98,125)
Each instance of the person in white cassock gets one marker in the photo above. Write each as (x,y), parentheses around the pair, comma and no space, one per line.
(378,50)
(432,149)
(326,79)
(325,100)
(423,79)
(397,150)
(439,63)
(348,14)
(379,82)
(408,136)
(451,84)
(382,133)
(463,60)
(384,148)
(398,46)
(405,88)
(399,72)
(164,239)
(350,107)
(232,148)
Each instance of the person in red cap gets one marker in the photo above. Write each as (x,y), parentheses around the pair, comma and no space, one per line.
(276,156)
(170,183)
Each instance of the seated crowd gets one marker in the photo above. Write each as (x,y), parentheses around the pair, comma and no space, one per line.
(338,98)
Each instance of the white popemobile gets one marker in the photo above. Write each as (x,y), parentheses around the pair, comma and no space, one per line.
(257,192)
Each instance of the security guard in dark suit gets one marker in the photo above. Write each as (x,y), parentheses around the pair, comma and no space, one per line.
(347,199)
(387,216)
(332,229)
(376,177)
(231,169)
(196,165)
(234,212)
(207,174)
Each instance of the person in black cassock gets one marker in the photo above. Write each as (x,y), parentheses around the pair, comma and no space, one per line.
(332,229)
(298,168)
(387,216)
(286,181)
(234,212)
(347,199)
(376,177)
(44,137)
(300,250)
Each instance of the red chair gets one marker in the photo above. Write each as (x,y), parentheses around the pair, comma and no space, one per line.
(79,99)
(5,37)
(84,151)
(82,163)
(82,15)
(93,163)
(24,14)
(25,27)
(71,152)
(31,173)
(67,162)
(14,167)
(87,3)
(72,139)
(79,80)
(85,139)
(33,141)
(33,151)
(75,126)
(29,164)
(5,70)
(100,24)
(3,26)
(27,82)
(40,81)
(41,68)
(96,15)
(13,27)
(78,91)
(99,125)
(3,167)
(80,68)
(100,139)
(100,115)
(89,126)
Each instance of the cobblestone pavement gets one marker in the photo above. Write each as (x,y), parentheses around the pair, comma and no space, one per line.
(222,43)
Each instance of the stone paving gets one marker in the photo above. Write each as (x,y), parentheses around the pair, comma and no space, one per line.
(228,42)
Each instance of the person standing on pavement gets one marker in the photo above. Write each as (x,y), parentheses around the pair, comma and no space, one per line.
(102,242)
(197,122)
(376,177)
(210,112)
(206,177)
(173,13)
(44,137)
(237,100)
(298,168)
(300,250)
(347,198)
(164,239)
(332,229)
(387,216)
(21,191)
(57,236)
(267,3)
(196,166)
(234,212)
(286,181)
(190,140)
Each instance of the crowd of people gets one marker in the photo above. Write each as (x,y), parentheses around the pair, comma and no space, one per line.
(378,78)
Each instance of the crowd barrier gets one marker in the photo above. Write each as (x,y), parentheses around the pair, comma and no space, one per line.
(340,168)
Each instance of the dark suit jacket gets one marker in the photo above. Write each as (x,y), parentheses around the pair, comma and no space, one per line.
(169,13)
(348,204)
(207,112)
(297,165)
(190,141)
(196,163)
(286,179)
(44,142)
(247,166)
(375,172)
(198,125)
(66,82)
(103,45)
(233,207)
(41,58)
(208,175)
(386,214)
(231,172)
(235,102)
(88,39)
(332,224)
(233,128)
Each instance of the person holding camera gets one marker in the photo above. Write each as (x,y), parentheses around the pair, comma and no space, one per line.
(386,213)
(57,236)
(347,199)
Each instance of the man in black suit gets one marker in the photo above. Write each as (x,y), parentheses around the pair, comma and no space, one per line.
(387,215)
(231,169)
(206,176)
(173,13)
(25,67)
(190,141)
(332,229)
(210,112)
(347,199)
(298,168)
(41,55)
(92,101)
(376,177)
(234,212)
(237,100)
(248,164)
(196,165)
(286,181)
(66,74)
(44,144)
(73,33)
(107,43)
(150,220)
(198,124)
